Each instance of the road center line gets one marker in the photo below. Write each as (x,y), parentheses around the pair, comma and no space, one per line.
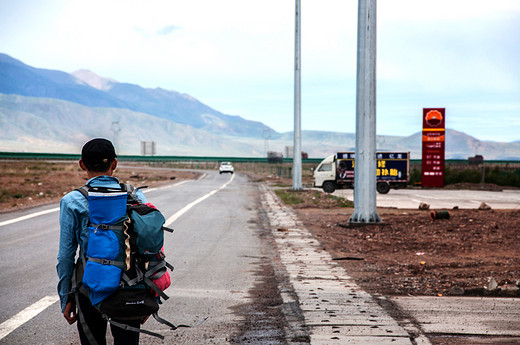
(25,315)
(183,210)
(32,215)
(41,213)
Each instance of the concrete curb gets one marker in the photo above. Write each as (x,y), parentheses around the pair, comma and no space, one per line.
(335,309)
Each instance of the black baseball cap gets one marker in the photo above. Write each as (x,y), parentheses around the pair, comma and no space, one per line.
(98,151)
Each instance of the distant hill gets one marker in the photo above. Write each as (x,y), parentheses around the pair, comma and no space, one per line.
(86,88)
(52,111)
(458,145)
(173,106)
(50,125)
(20,79)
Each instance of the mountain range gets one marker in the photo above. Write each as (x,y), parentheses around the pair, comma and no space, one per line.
(45,110)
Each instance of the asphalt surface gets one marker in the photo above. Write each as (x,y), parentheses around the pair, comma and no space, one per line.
(215,249)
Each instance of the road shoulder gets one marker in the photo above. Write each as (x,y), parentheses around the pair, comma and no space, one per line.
(335,309)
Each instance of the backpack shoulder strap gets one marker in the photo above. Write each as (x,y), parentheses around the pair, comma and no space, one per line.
(83,190)
(76,286)
(132,191)
(126,187)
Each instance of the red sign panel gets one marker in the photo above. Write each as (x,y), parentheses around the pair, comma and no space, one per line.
(433,139)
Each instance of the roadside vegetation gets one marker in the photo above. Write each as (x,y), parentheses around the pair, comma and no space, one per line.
(311,198)
(457,175)
(502,176)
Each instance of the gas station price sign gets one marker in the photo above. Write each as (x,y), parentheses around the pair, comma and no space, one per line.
(433,147)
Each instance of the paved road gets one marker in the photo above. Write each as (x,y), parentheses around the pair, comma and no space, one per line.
(215,250)
(218,248)
(442,198)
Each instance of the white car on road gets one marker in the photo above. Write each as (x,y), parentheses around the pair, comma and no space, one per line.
(226,167)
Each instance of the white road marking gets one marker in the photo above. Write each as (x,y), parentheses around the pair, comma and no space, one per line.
(25,315)
(31,311)
(32,215)
(183,210)
(41,213)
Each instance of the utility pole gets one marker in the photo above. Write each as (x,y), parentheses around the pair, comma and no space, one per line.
(297,155)
(365,210)
(266,135)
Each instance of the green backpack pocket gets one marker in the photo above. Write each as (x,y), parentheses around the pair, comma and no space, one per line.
(148,229)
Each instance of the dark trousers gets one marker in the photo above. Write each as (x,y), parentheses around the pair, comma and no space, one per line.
(98,326)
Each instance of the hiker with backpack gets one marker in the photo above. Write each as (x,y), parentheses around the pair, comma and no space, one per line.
(120,271)
(98,160)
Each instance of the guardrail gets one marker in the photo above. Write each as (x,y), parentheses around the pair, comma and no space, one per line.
(138,158)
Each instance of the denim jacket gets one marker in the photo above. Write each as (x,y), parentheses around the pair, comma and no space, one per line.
(73,231)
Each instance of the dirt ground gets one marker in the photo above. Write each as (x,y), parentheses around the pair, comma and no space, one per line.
(473,252)
(26,184)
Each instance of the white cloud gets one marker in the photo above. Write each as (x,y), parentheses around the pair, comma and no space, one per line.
(442,10)
(237,55)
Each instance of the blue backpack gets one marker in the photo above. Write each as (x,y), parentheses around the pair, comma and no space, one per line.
(124,258)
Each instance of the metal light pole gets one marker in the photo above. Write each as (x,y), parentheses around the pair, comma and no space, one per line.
(297,155)
(365,210)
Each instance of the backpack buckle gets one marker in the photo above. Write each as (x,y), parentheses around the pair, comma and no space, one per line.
(105,262)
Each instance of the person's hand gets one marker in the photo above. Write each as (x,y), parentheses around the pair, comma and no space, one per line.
(70,313)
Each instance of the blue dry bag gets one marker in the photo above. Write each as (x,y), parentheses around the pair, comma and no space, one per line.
(105,256)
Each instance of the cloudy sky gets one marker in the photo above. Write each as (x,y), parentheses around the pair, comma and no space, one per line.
(237,56)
